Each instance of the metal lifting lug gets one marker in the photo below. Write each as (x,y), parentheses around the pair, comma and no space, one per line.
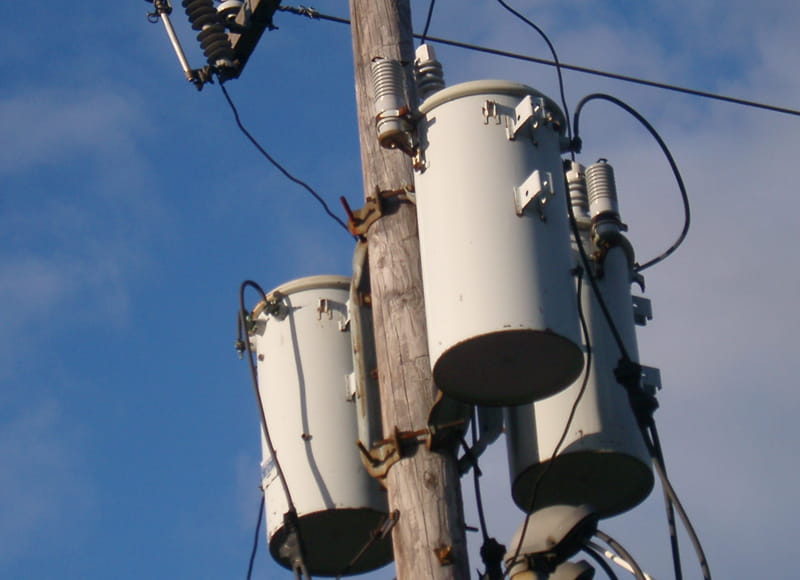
(529,110)
(539,187)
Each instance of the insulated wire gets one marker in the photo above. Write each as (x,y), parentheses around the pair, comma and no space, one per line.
(315,15)
(277,165)
(555,60)
(587,369)
(594,553)
(255,537)
(427,22)
(658,462)
(477,478)
(607,555)
(623,553)
(254,379)
(674,166)
(244,338)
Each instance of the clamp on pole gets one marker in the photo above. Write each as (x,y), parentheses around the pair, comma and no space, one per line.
(383,202)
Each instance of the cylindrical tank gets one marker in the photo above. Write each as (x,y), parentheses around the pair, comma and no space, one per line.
(495,250)
(304,351)
(603,460)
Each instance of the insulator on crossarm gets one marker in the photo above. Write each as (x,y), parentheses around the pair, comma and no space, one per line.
(427,72)
(214,41)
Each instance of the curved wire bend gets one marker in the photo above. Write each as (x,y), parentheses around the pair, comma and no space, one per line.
(681,186)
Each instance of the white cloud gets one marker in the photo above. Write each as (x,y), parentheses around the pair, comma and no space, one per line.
(42,487)
(53,126)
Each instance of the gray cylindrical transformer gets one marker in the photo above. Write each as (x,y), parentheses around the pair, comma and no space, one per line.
(305,360)
(495,250)
(603,460)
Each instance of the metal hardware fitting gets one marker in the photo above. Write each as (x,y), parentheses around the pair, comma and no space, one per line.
(651,380)
(642,310)
(528,111)
(538,186)
(489,111)
(444,554)
(375,207)
(386,452)
(447,421)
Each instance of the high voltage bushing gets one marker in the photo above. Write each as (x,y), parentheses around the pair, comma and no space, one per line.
(603,206)
(214,41)
(428,72)
(392,114)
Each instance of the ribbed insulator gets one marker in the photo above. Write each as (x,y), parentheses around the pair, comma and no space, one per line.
(214,41)
(428,72)
(602,189)
(576,185)
(387,78)
(391,108)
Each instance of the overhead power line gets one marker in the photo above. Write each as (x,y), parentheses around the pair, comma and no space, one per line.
(315,15)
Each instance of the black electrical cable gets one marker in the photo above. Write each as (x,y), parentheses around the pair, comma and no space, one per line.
(601,561)
(654,447)
(587,267)
(315,15)
(244,339)
(555,60)
(476,473)
(674,545)
(312,13)
(573,410)
(623,553)
(674,166)
(243,344)
(658,461)
(255,538)
(277,165)
(427,22)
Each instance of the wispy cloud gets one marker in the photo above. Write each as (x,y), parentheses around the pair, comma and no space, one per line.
(42,484)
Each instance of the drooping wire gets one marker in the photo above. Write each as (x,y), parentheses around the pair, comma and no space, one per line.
(316,15)
(256,537)
(658,462)
(427,22)
(243,343)
(594,553)
(244,339)
(555,60)
(623,553)
(644,420)
(277,165)
(492,551)
(573,410)
(476,472)
(674,166)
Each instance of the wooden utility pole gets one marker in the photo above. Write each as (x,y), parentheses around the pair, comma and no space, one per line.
(429,538)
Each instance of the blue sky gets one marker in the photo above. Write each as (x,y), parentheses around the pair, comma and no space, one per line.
(131,208)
